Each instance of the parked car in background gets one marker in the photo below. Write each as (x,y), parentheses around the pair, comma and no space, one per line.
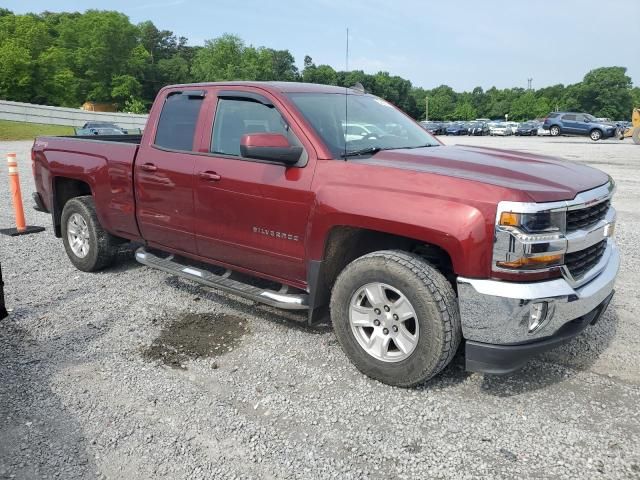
(356,131)
(98,131)
(105,128)
(478,128)
(572,123)
(457,129)
(95,125)
(499,128)
(435,128)
(542,132)
(527,128)
(513,126)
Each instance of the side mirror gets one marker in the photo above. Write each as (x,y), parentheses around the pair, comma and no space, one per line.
(273,147)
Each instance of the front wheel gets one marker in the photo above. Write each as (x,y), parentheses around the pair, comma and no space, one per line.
(88,245)
(554,131)
(396,317)
(595,135)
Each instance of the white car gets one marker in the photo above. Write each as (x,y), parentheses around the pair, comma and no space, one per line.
(513,125)
(501,129)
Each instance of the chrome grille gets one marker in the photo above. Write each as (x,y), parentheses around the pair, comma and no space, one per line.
(586,217)
(582,261)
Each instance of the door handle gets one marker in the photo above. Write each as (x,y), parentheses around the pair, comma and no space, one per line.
(148,167)
(210,176)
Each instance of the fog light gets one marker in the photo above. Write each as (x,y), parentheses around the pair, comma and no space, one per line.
(537,315)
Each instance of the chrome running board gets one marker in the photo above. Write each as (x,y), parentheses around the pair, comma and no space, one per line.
(275,298)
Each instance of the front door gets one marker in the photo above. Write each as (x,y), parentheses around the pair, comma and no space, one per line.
(253,214)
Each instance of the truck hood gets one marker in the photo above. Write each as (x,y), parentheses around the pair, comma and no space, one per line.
(542,178)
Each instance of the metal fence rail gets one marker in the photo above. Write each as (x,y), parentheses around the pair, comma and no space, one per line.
(74,117)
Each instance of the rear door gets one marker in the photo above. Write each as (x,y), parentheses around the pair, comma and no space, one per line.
(164,173)
(253,214)
(569,123)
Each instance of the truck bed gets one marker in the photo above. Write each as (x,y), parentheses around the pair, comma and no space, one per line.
(102,165)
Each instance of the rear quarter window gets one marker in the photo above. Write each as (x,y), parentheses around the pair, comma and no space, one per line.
(178,119)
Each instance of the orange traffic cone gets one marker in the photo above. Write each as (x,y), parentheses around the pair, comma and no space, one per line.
(16,196)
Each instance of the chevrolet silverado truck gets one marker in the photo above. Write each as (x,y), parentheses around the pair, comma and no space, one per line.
(410,247)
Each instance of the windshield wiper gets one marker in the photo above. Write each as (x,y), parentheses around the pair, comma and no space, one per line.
(417,146)
(374,150)
(362,151)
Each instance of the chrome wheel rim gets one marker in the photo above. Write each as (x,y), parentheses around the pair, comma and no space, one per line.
(78,235)
(595,135)
(384,322)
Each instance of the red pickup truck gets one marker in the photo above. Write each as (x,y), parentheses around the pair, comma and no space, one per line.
(333,201)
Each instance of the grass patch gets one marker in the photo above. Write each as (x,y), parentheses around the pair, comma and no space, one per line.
(28,131)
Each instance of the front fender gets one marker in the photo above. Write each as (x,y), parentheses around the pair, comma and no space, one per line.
(459,228)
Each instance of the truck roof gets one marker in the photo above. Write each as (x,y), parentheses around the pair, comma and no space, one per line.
(277,87)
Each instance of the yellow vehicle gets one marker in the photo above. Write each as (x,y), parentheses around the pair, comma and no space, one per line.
(634,130)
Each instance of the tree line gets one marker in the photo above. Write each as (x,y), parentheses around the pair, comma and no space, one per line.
(65,59)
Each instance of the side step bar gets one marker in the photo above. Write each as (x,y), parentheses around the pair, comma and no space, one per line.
(278,299)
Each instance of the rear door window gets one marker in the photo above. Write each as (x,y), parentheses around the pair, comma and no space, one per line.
(178,120)
(569,118)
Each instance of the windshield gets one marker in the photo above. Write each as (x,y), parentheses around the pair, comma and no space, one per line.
(372,123)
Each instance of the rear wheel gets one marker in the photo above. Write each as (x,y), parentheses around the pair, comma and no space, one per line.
(554,131)
(595,134)
(396,317)
(88,245)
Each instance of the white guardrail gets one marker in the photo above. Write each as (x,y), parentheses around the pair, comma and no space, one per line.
(74,117)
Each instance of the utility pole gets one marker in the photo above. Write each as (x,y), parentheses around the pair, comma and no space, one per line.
(426,109)
(529,80)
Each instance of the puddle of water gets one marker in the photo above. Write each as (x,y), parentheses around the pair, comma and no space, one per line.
(194,335)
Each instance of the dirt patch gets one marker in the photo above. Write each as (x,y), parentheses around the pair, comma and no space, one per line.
(194,336)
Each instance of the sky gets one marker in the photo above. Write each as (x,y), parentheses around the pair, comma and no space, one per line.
(461,43)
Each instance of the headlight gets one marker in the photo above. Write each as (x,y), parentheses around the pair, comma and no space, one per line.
(539,222)
(531,241)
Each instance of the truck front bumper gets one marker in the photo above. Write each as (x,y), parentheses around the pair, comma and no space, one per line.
(496,316)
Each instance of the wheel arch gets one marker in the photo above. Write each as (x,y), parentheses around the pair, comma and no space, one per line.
(64,189)
(344,243)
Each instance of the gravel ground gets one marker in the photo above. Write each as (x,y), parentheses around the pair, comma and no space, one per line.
(95,381)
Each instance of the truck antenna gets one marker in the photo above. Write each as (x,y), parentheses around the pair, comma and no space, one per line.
(346,98)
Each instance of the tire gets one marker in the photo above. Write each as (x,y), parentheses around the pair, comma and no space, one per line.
(595,134)
(433,323)
(101,247)
(554,131)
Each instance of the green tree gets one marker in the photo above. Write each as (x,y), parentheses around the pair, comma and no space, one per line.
(523,107)
(16,74)
(56,83)
(606,92)
(542,107)
(99,44)
(125,87)
(464,111)
(442,101)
